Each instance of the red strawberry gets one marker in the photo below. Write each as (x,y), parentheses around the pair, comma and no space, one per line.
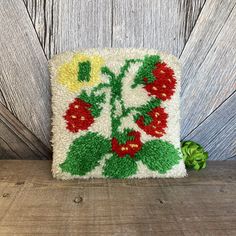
(164,85)
(78,116)
(158,124)
(131,147)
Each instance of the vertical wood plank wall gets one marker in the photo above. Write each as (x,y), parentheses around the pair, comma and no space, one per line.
(201,33)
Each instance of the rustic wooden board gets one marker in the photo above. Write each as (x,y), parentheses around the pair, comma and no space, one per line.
(41,13)
(24,79)
(70,24)
(16,141)
(145,23)
(189,11)
(220,124)
(33,203)
(164,25)
(2,100)
(209,64)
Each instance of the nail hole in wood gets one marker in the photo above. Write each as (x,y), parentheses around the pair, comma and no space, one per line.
(161,201)
(6,195)
(20,182)
(222,190)
(78,200)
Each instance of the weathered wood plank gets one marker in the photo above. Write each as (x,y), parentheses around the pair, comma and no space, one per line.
(218,132)
(209,64)
(24,75)
(81,24)
(155,15)
(16,141)
(2,99)
(189,10)
(154,24)
(149,23)
(34,203)
(41,12)
(71,24)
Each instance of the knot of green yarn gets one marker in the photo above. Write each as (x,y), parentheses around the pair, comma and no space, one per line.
(194,155)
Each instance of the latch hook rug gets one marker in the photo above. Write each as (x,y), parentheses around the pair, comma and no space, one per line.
(116,114)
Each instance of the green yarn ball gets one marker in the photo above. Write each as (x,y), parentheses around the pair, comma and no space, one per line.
(194,155)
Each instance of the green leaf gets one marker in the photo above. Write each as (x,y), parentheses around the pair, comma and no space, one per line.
(117,167)
(144,109)
(158,155)
(147,119)
(84,96)
(145,71)
(85,153)
(151,104)
(124,137)
(95,100)
(194,155)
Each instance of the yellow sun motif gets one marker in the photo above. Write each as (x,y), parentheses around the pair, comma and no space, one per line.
(68,72)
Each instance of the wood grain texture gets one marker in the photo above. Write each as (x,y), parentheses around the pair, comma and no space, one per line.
(33,203)
(24,76)
(70,24)
(41,13)
(16,141)
(144,23)
(220,124)
(149,24)
(189,11)
(209,64)
(2,99)
(165,25)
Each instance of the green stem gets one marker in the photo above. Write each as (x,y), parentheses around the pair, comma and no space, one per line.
(127,111)
(101,86)
(116,88)
(106,71)
(115,83)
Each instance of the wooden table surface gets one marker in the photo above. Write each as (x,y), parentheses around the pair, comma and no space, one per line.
(33,203)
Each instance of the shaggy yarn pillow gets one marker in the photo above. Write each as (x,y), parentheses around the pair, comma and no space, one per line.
(116,114)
